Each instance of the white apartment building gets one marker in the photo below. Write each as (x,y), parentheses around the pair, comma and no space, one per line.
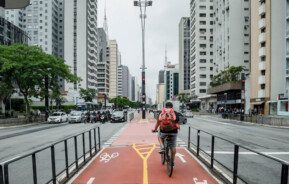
(113,68)
(231,34)
(184,55)
(201,46)
(43,22)
(80,44)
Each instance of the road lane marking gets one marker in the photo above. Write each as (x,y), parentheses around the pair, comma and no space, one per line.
(247,153)
(200,182)
(144,156)
(181,157)
(106,157)
(90,181)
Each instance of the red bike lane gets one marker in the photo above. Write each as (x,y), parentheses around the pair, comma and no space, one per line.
(134,159)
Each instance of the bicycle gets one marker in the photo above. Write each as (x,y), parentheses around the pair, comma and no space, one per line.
(166,155)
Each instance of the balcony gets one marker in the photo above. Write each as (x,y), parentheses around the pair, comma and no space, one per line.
(262,9)
(262,38)
(262,65)
(261,80)
(261,94)
(262,23)
(287,73)
(262,52)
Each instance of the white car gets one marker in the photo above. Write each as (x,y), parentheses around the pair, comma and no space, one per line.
(57,117)
(76,117)
(188,114)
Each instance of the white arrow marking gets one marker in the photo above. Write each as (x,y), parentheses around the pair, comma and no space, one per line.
(200,182)
(90,181)
(181,157)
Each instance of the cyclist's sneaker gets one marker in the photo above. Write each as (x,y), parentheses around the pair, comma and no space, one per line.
(162,150)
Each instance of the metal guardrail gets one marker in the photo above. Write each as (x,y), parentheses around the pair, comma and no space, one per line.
(69,170)
(236,177)
(259,119)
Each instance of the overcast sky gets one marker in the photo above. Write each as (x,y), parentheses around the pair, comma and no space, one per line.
(161,30)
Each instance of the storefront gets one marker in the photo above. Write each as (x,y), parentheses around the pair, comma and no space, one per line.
(282,107)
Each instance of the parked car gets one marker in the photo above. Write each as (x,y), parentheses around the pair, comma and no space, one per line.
(118,116)
(189,114)
(57,117)
(182,118)
(76,117)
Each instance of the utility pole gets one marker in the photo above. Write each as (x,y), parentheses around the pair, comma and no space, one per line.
(143,4)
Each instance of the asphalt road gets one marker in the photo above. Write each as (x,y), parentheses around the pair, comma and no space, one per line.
(252,168)
(28,139)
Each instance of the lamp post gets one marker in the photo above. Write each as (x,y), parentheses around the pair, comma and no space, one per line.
(143,4)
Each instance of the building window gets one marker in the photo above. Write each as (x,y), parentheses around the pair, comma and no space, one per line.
(203,91)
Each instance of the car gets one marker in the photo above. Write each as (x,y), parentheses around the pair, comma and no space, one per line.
(118,116)
(189,114)
(76,117)
(182,118)
(57,117)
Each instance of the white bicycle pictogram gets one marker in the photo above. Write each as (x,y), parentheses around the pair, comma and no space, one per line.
(105,157)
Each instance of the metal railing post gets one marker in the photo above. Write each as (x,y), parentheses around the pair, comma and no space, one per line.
(75,152)
(90,152)
(212,152)
(6,174)
(284,174)
(94,132)
(198,143)
(98,130)
(34,168)
(66,159)
(1,175)
(83,147)
(189,139)
(236,160)
(53,165)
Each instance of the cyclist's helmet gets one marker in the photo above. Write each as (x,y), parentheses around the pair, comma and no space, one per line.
(169,105)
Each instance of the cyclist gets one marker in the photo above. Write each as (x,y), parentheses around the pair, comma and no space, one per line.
(169,130)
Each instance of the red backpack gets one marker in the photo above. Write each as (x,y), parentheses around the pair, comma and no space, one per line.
(167,120)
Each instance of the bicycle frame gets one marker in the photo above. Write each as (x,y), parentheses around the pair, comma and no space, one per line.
(166,156)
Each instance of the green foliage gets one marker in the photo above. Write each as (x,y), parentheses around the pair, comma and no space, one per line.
(27,66)
(87,94)
(230,74)
(184,98)
(121,102)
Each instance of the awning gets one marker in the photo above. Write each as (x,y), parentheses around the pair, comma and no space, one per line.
(257,103)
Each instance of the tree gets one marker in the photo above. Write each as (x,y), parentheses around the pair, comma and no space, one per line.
(28,66)
(87,94)
(120,102)
(6,90)
(230,74)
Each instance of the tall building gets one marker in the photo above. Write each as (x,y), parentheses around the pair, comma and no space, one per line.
(184,55)
(43,22)
(113,68)
(268,59)
(171,82)
(80,44)
(161,76)
(201,46)
(133,89)
(103,63)
(160,95)
(231,34)
(123,81)
(10,33)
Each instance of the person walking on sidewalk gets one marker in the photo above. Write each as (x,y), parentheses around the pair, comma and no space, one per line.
(168,125)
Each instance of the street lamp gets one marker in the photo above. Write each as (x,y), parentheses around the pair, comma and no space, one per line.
(143,4)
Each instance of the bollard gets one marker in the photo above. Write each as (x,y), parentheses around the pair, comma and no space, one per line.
(66,159)
(236,160)
(189,139)
(53,165)
(75,152)
(284,174)
(34,168)
(198,143)
(212,152)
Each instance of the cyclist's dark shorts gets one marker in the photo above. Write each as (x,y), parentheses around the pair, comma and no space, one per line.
(172,141)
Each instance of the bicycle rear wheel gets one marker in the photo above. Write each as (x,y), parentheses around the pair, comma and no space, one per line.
(163,158)
(170,165)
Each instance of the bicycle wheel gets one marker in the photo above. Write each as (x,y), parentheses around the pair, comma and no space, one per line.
(169,162)
(163,158)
